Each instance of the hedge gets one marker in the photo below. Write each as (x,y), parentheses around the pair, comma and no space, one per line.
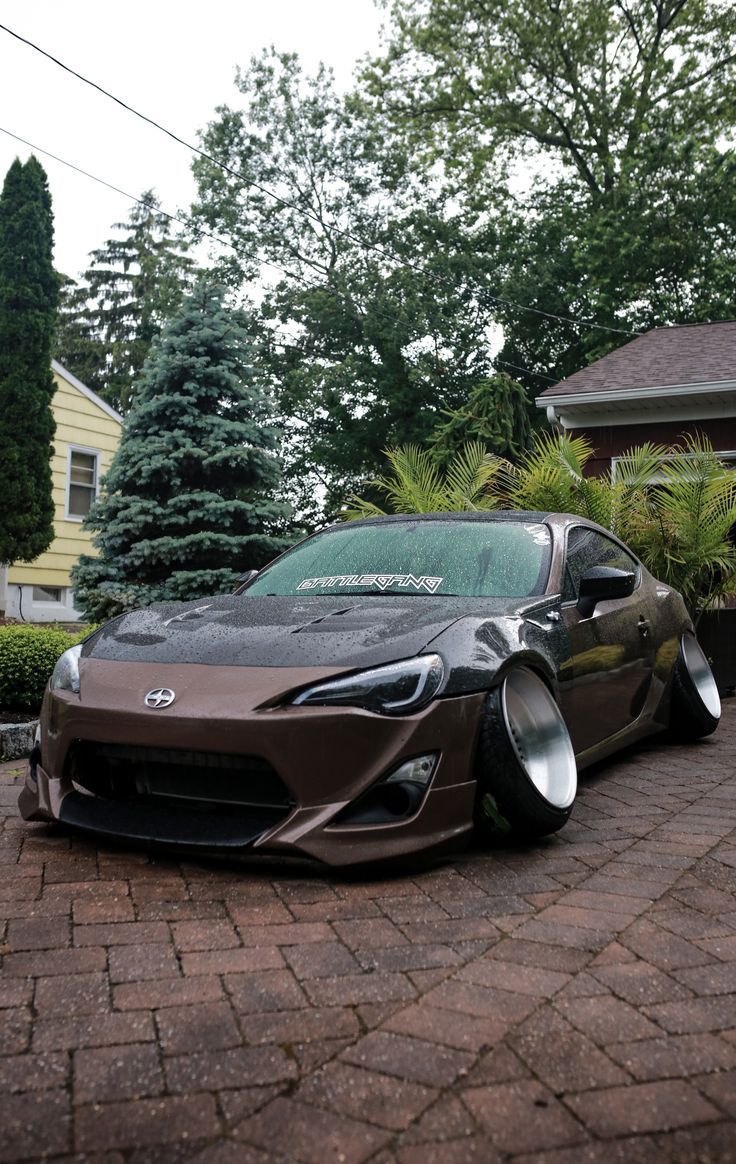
(28,655)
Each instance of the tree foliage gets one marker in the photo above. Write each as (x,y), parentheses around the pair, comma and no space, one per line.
(590,83)
(28,295)
(134,284)
(598,133)
(375,306)
(495,414)
(187,503)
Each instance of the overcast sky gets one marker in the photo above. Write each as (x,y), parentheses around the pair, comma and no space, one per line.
(173,61)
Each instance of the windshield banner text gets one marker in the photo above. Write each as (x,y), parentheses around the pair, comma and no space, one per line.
(380,581)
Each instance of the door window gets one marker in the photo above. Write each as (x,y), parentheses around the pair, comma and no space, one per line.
(587,548)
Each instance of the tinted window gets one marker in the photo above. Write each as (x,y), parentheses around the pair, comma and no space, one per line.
(587,548)
(508,559)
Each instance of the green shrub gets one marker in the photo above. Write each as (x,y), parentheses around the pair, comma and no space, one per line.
(28,655)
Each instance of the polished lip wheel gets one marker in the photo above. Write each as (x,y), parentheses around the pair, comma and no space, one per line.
(539,737)
(701,675)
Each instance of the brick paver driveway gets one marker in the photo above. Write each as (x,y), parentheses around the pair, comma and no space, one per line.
(564,1003)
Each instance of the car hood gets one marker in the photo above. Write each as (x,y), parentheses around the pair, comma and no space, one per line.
(270,631)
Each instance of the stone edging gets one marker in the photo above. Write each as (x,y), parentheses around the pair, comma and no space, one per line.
(16,739)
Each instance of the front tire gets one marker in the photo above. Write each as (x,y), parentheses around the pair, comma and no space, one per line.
(695,709)
(526,770)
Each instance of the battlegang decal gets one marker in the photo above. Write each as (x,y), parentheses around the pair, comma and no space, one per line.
(380,581)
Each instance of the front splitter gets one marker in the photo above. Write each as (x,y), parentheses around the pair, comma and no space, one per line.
(165,824)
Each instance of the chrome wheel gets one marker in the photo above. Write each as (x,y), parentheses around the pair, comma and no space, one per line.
(539,737)
(698,668)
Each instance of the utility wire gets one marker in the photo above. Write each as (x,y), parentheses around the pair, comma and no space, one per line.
(225,242)
(521,368)
(165,214)
(286,203)
(193,226)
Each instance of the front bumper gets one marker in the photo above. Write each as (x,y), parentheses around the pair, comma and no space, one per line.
(326,758)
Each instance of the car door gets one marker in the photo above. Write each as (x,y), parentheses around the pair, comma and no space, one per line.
(605,680)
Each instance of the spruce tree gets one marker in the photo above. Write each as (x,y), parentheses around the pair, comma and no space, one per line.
(188,501)
(28,295)
(496,413)
(134,284)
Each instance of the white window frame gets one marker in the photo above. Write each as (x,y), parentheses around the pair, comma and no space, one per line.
(48,601)
(67,486)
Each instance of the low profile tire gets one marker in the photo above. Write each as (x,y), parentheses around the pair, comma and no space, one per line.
(695,709)
(526,770)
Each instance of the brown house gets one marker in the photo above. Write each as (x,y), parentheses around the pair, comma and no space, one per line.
(664,384)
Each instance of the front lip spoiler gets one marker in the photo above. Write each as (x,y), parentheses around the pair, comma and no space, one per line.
(167,824)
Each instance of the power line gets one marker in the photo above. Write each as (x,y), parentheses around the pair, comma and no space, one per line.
(141,202)
(521,368)
(285,202)
(289,340)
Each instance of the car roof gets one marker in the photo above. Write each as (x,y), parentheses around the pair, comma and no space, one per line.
(463,515)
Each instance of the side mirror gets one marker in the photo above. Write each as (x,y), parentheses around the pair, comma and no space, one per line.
(243,581)
(601,583)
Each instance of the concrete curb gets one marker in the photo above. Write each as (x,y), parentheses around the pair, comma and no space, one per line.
(16,739)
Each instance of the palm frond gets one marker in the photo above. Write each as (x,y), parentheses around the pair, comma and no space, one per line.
(357,508)
(470,477)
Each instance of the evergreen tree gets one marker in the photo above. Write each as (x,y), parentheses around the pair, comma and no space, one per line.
(495,414)
(28,295)
(76,343)
(188,499)
(135,283)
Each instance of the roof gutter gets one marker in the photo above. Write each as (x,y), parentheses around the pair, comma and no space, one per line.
(555,404)
(661,392)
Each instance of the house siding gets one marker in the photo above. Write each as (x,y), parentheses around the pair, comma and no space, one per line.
(611,441)
(80,423)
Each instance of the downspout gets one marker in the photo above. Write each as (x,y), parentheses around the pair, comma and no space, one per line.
(554,420)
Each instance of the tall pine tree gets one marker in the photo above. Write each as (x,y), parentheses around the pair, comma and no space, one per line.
(28,295)
(134,284)
(188,501)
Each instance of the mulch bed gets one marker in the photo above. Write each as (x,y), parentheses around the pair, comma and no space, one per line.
(12,715)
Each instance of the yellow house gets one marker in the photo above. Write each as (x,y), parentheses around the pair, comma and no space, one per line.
(87,434)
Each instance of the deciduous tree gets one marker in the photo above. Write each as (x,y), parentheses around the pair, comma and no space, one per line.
(598,134)
(376,303)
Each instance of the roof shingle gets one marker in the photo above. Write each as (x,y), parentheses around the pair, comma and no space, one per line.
(700,353)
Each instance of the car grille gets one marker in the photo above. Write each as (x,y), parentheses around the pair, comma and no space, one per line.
(208,781)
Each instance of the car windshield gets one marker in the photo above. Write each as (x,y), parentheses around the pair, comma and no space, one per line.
(471,558)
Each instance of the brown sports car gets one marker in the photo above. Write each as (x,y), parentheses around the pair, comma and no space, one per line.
(378,690)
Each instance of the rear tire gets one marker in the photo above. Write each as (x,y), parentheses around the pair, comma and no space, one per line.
(695,709)
(525,767)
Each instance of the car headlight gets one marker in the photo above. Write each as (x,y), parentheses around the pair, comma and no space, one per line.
(396,689)
(65,675)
